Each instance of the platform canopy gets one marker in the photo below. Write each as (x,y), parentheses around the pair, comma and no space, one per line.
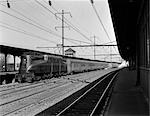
(17,51)
(125,17)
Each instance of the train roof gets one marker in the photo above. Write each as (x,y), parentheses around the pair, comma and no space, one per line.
(89,59)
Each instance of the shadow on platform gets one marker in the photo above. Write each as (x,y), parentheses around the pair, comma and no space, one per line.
(127,99)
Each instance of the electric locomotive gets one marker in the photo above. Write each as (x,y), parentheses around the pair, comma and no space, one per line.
(39,66)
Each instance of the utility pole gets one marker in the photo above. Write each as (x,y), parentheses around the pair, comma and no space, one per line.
(94,47)
(62,14)
(62,32)
(110,55)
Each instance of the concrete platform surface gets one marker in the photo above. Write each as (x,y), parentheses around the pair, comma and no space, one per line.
(127,99)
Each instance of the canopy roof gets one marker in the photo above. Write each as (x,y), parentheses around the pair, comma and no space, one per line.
(125,15)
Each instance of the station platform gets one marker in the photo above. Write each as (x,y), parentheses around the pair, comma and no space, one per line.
(127,99)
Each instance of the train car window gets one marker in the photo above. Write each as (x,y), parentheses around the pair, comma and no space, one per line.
(10,62)
(46,57)
(2,62)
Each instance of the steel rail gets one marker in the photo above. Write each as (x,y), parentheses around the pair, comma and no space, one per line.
(26,85)
(83,95)
(33,85)
(18,85)
(93,111)
(33,94)
(41,91)
(30,104)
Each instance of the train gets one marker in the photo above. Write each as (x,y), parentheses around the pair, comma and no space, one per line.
(37,67)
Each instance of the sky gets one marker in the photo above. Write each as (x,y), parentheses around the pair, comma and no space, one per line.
(32,24)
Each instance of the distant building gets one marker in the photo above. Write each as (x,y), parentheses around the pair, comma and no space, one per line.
(70,52)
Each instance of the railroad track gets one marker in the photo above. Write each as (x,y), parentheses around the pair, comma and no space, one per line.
(27,98)
(8,87)
(76,77)
(14,94)
(84,77)
(27,89)
(23,103)
(22,97)
(91,102)
(21,85)
(27,86)
(8,98)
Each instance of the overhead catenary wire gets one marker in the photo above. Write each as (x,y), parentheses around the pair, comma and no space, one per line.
(44,27)
(69,23)
(64,21)
(66,18)
(50,5)
(24,32)
(101,45)
(35,22)
(99,19)
(30,19)
(102,55)
(92,2)
(73,26)
(27,34)
(28,22)
(68,39)
(19,30)
(39,27)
